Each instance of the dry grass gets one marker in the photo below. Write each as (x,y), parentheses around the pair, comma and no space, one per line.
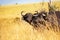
(17,29)
(14,30)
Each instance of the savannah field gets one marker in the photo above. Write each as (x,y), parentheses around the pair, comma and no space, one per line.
(17,29)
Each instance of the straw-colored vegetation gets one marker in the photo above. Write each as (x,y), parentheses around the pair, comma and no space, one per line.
(17,29)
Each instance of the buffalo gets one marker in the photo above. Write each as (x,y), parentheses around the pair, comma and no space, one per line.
(27,17)
(37,19)
(42,14)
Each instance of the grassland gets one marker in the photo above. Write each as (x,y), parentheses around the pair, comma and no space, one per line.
(17,29)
